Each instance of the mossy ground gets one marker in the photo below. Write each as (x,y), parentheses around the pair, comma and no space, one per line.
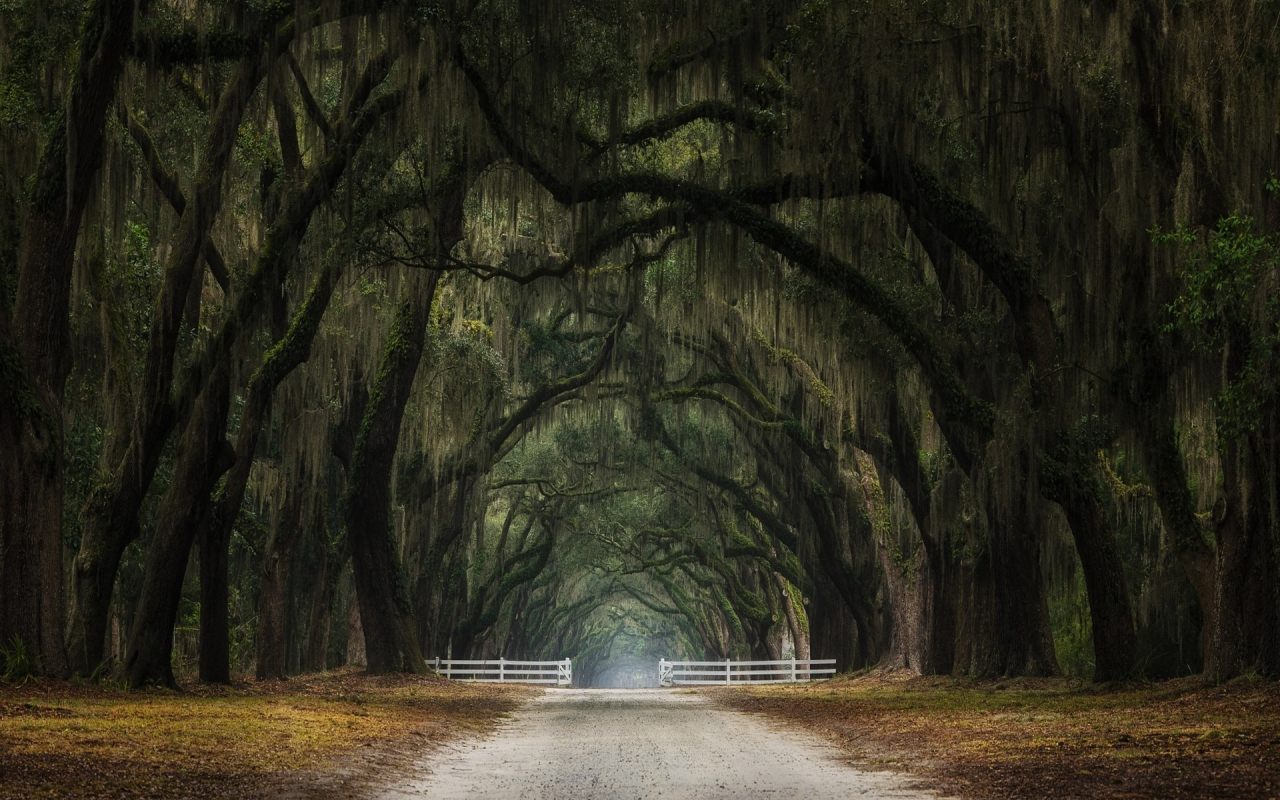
(1046,738)
(315,735)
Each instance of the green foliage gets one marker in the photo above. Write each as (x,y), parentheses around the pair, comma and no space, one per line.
(1072,627)
(19,664)
(82,448)
(1230,304)
(132,279)
(258,146)
(554,348)
(34,37)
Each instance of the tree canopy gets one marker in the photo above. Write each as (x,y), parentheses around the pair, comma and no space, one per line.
(938,335)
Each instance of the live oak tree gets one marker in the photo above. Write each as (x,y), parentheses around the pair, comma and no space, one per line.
(941,337)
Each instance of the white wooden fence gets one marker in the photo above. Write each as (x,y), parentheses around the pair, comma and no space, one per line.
(729,673)
(500,670)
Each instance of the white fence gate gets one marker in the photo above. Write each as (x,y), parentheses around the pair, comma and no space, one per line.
(729,673)
(500,670)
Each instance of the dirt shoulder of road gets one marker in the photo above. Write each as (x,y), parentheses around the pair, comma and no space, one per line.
(1045,738)
(315,735)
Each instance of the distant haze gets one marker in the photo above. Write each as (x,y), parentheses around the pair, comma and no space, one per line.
(631,675)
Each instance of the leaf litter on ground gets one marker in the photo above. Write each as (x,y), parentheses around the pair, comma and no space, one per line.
(1045,738)
(317,735)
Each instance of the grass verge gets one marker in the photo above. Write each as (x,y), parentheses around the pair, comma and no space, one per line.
(1046,738)
(315,735)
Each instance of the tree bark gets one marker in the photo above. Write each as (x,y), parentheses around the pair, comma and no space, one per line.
(902,565)
(215,621)
(356,655)
(1009,610)
(318,627)
(799,635)
(1247,610)
(111,513)
(1114,638)
(385,610)
(273,599)
(203,456)
(293,349)
(294,346)
(35,346)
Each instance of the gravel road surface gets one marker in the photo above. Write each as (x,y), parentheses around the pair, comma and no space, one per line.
(641,743)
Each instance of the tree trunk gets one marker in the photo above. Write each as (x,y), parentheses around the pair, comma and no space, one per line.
(356,654)
(31,609)
(1068,477)
(1114,639)
(832,522)
(1247,637)
(111,513)
(292,350)
(293,347)
(448,519)
(901,564)
(799,634)
(35,347)
(215,622)
(386,613)
(937,609)
(1009,611)
(273,599)
(203,456)
(321,608)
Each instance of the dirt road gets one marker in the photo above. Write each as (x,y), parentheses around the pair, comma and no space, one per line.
(640,743)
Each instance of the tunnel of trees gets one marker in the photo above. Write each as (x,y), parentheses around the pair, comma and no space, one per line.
(941,336)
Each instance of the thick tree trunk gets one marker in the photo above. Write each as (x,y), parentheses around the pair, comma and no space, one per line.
(385,611)
(34,346)
(894,446)
(1150,412)
(293,347)
(799,634)
(832,630)
(203,456)
(901,565)
(1247,636)
(832,522)
(321,617)
(1068,477)
(273,599)
(1114,638)
(437,595)
(31,609)
(941,579)
(935,585)
(356,655)
(215,622)
(1009,610)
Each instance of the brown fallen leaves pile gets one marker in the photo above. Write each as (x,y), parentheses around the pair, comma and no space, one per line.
(315,735)
(1046,738)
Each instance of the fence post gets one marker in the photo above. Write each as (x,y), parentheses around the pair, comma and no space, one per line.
(502,670)
(793,670)
(437,665)
(728,676)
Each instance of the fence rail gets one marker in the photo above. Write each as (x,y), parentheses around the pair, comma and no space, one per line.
(500,670)
(728,672)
